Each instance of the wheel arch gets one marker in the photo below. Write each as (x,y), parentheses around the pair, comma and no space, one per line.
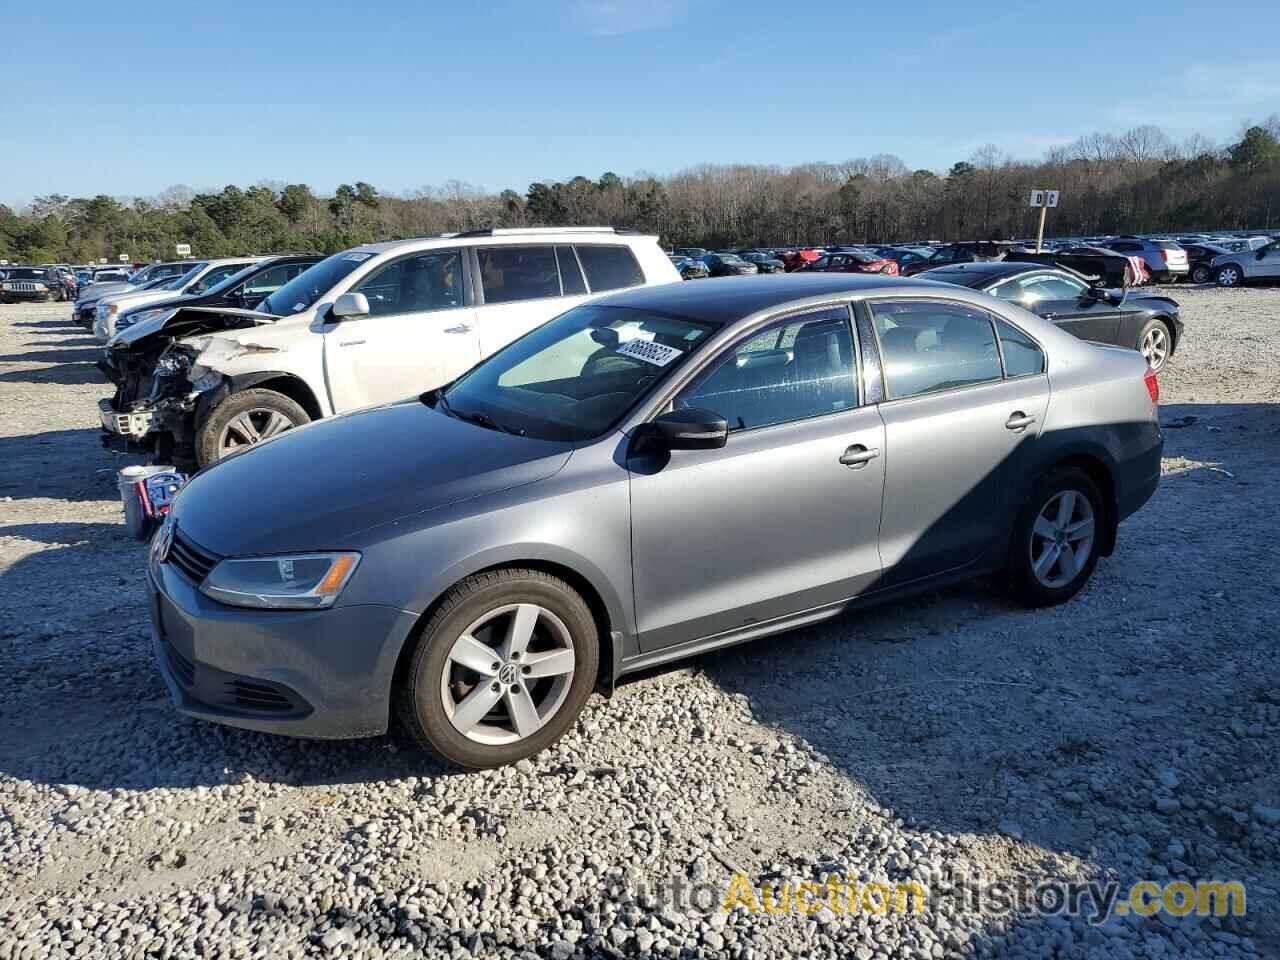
(289,384)
(603,604)
(1097,469)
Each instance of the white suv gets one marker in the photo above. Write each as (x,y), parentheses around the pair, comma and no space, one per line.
(372,325)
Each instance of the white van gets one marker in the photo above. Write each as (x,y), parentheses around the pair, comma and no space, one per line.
(371,325)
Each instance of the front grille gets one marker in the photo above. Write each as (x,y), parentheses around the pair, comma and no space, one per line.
(183,668)
(258,696)
(191,560)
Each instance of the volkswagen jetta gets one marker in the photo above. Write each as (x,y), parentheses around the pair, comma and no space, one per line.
(648,476)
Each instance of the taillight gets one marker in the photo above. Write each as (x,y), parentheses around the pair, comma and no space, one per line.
(1153,385)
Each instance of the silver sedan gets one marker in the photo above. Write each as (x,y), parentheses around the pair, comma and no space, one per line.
(647,477)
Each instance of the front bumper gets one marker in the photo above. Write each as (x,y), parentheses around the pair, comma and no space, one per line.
(324,674)
(136,424)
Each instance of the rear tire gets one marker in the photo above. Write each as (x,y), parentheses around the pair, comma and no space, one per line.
(475,623)
(1155,342)
(1201,273)
(232,424)
(1230,275)
(1062,520)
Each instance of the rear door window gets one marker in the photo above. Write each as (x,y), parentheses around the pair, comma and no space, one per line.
(512,273)
(610,267)
(931,345)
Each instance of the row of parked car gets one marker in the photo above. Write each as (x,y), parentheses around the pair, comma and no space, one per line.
(1202,258)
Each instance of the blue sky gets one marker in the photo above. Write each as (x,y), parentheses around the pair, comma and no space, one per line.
(128,99)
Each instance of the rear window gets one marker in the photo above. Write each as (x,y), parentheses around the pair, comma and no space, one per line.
(1166,245)
(611,267)
(515,273)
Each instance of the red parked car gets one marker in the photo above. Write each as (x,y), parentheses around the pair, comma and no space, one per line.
(793,260)
(854,263)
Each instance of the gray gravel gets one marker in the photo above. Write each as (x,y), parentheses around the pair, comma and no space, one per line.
(1130,734)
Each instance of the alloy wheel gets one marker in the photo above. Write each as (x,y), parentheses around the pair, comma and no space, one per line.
(1062,539)
(508,674)
(252,426)
(1155,346)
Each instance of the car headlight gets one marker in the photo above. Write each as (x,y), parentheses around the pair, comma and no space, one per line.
(129,319)
(309,581)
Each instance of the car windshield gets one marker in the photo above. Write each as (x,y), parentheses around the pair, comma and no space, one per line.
(235,278)
(312,284)
(576,377)
(27,274)
(729,258)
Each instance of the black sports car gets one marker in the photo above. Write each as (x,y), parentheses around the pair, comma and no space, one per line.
(1077,303)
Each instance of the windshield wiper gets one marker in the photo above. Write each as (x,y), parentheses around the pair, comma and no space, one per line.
(478,418)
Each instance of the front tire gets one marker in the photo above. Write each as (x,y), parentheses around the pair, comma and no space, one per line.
(244,419)
(1056,538)
(501,670)
(1230,275)
(1155,342)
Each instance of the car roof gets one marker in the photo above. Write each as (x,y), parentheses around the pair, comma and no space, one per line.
(729,299)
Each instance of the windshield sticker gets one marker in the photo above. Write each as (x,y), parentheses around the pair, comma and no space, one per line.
(299,307)
(358,257)
(658,354)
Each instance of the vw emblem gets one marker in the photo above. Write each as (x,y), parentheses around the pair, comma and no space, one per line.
(163,540)
(509,673)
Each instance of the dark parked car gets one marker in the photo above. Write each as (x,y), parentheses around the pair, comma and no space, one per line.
(243,290)
(1144,322)
(1200,256)
(647,477)
(32,283)
(854,262)
(693,253)
(764,262)
(728,265)
(690,269)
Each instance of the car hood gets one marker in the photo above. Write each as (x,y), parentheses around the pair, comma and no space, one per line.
(95,291)
(132,299)
(183,320)
(316,487)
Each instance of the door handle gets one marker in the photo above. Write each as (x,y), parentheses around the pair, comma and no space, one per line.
(858,456)
(460,328)
(1019,421)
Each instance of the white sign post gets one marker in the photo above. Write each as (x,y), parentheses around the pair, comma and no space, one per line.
(1044,199)
(182,249)
(123,258)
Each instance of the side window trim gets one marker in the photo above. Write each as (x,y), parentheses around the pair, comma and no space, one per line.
(755,330)
(870,362)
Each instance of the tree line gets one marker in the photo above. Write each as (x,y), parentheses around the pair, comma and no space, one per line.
(1136,182)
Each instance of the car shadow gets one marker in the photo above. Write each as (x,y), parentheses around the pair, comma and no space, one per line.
(60,465)
(72,373)
(74,354)
(49,324)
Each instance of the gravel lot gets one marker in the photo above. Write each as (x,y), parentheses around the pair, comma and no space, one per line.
(1131,734)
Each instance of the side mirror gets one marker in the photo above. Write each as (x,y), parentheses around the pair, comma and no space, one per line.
(691,429)
(195,289)
(350,305)
(1114,295)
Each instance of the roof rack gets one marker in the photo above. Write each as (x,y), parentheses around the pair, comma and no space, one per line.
(535,231)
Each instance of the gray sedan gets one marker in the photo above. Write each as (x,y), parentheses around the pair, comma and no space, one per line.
(650,476)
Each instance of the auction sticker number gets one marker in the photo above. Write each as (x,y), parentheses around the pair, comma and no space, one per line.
(658,354)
